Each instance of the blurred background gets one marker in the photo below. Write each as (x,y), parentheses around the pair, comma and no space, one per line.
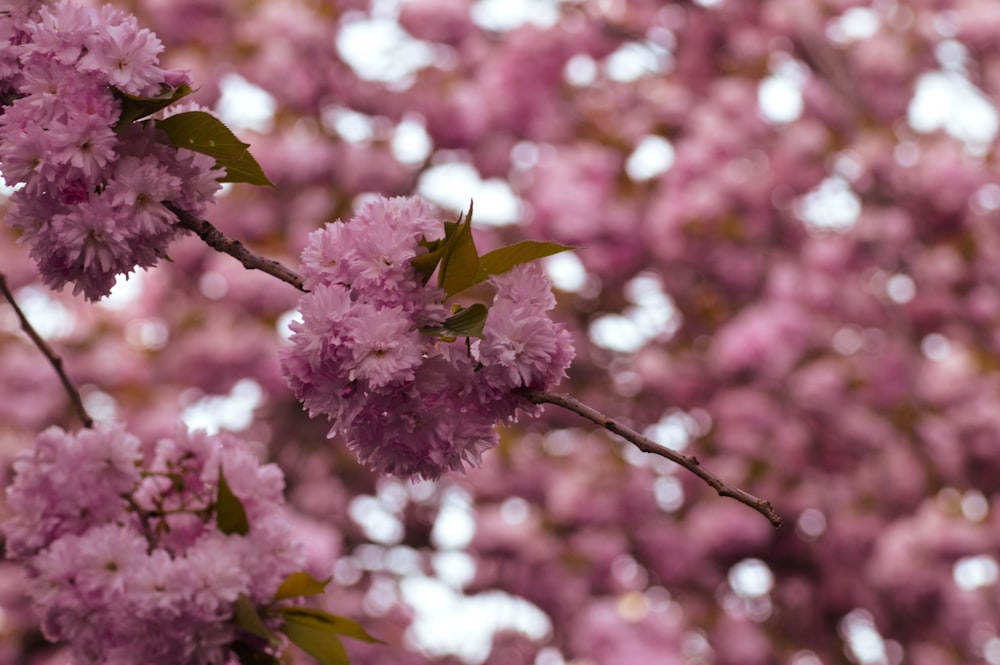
(787,262)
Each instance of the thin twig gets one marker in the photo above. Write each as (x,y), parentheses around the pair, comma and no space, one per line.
(54,359)
(142,515)
(647,445)
(218,241)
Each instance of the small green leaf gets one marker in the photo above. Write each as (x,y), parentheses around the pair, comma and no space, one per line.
(299,584)
(320,643)
(245,616)
(135,107)
(460,263)
(501,260)
(230,515)
(427,263)
(466,322)
(245,169)
(331,623)
(204,133)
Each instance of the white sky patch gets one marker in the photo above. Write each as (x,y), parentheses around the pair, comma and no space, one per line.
(454,568)
(284,321)
(751,578)
(233,412)
(448,623)
(350,125)
(100,405)
(379,49)
(975,506)
(832,206)
(653,316)
(975,572)
(935,347)
(991,651)
(811,524)
(863,640)
(806,658)
(948,101)
(213,285)
(451,186)
(378,523)
(514,510)
(580,70)
(674,430)
(900,288)
(653,156)
(125,292)
(987,197)
(503,15)
(635,60)
(779,99)
(411,144)
(243,105)
(856,23)
(7,190)
(848,340)
(566,271)
(455,524)
(49,317)
(668,493)
(149,334)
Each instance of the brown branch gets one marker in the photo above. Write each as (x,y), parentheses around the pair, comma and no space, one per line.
(218,241)
(647,445)
(54,359)
(142,515)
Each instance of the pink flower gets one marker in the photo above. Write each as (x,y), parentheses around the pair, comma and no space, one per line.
(123,52)
(409,403)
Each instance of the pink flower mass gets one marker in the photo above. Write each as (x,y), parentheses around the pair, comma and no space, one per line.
(366,356)
(125,561)
(59,139)
(783,221)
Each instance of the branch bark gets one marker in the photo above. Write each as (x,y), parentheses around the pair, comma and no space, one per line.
(53,357)
(219,241)
(647,445)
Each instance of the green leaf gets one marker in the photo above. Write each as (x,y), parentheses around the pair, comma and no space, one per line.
(204,133)
(336,625)
(460,263)
(501,260)
(230,515)
(466,322)
(321,644)
(245,169)
(426,263)
(299,584)
(246,617)
(135,107)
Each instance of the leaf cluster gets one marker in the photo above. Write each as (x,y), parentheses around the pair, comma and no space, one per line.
(459,267)
(314,631)
(198,131)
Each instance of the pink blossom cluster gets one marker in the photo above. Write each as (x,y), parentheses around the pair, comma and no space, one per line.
(365,354)
(126,561)
(91,204)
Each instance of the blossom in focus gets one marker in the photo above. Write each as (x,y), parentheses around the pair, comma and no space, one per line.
(411,403)
(91,207)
